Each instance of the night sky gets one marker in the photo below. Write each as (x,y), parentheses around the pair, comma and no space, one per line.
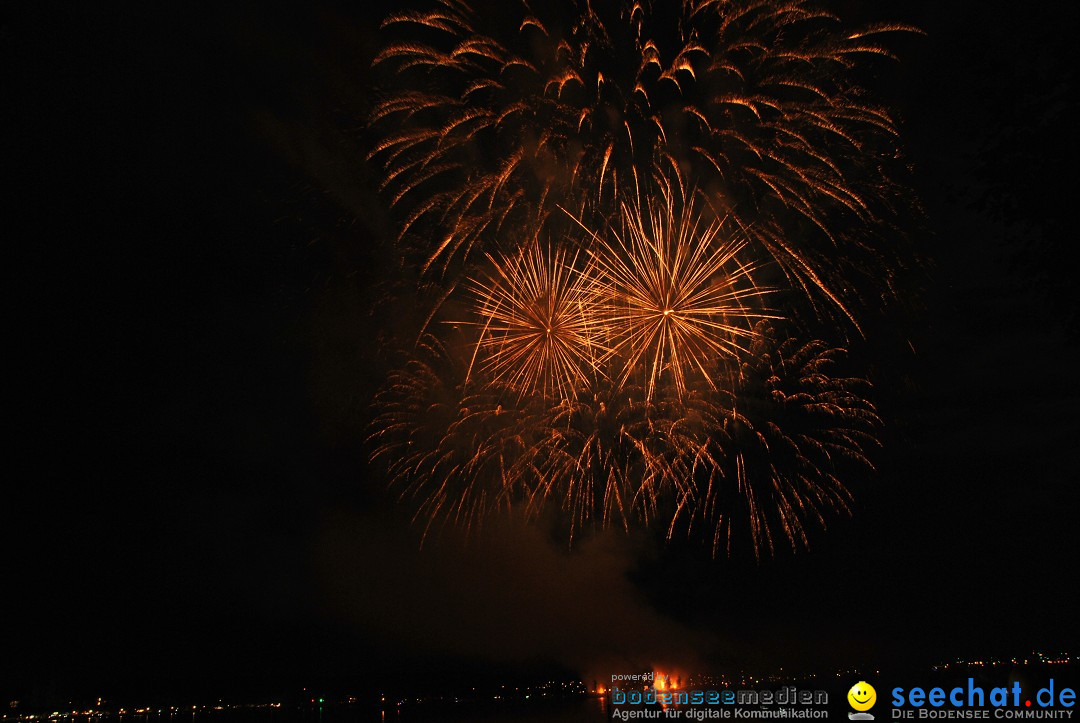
(198,267)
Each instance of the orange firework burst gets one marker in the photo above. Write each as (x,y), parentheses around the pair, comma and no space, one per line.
(537,322)
(759,456)
(456,450)
(637,378)
(632,371)
(778,443)
(494,119)
(676,298)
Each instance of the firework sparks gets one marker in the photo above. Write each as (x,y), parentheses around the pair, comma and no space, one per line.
(676,298)
(771,455)
(762,460)
(538,325)
(616,353)
(444,446)
(498,118)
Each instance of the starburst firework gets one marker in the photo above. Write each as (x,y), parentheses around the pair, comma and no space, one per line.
(618,206)
(537,322)
(676,299)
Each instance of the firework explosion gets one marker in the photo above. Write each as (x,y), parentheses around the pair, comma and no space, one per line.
(781,441)
(676,296)
(537,329)
(502,116)
(617,209)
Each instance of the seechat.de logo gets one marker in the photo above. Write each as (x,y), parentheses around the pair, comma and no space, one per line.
(973,701)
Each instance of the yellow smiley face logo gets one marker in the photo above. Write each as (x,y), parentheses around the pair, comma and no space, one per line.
(862,696)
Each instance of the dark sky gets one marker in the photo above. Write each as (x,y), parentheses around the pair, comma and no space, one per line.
(198,257)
